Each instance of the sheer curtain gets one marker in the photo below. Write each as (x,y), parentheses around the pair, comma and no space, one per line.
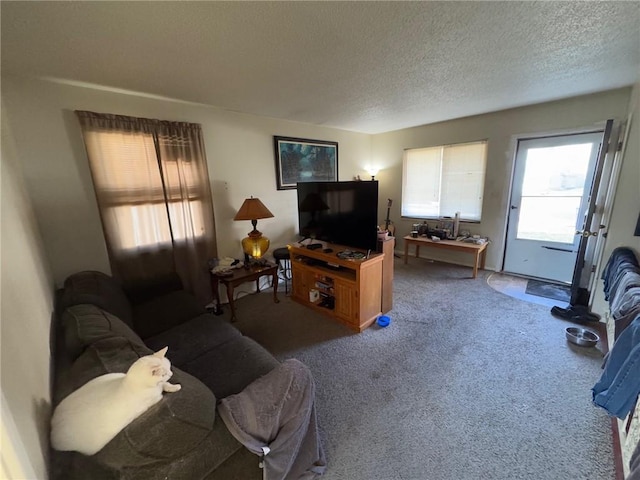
(152,186)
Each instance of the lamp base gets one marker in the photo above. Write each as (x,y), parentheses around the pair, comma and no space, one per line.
(255,245)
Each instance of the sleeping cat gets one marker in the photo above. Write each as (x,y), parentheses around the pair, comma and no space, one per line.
(91,416)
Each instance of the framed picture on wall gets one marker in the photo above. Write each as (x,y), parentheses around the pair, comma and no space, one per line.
(304,160)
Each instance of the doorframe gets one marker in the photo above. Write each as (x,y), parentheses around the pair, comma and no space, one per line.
(591,225)
(512,153)
(619,135)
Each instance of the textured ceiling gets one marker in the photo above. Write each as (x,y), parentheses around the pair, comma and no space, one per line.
(363,66)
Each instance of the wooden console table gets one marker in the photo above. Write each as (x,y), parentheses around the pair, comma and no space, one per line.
(479,251)
(242,275)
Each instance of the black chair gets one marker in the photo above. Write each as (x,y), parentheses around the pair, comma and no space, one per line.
(282,258)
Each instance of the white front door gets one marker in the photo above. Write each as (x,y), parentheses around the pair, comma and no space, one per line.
(551,184)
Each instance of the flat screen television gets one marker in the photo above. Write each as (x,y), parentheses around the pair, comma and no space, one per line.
(345,213)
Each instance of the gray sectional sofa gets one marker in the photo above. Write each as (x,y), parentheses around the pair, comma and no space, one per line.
(101,329)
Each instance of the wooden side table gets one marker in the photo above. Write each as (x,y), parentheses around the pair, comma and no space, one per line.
(479,252)
(243,275)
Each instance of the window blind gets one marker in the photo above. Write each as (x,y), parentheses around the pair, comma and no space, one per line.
(440,181)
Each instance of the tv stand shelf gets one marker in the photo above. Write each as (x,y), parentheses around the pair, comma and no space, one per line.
(349,290)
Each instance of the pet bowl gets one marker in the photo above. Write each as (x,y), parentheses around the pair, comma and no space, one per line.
(581,336)
(384,321)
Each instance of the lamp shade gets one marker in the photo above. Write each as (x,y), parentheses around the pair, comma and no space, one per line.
(252,209)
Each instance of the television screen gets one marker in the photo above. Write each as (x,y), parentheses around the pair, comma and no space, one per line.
(345,213)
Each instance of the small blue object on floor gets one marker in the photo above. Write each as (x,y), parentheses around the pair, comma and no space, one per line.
(383,321)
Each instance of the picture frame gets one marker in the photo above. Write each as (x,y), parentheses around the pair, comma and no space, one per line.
(304,160)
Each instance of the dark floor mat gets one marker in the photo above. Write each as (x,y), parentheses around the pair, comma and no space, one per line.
(548,290)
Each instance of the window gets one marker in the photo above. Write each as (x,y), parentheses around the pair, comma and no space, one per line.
(440,181)
(149,206)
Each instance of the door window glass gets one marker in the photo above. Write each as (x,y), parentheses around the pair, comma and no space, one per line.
(552,191)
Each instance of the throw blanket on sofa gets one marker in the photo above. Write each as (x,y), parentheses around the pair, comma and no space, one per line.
(275,418)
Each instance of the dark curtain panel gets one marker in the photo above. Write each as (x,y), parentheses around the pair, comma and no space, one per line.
(152,186)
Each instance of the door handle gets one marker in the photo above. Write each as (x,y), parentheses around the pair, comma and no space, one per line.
(587,233)
(513,207)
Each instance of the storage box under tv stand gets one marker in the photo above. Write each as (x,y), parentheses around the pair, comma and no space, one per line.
(350,290)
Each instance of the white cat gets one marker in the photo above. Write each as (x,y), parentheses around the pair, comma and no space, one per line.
(90,417)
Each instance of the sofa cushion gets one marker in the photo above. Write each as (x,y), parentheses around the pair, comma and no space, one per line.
(146,290)
(191,339)
(164,312)
(108,355)
(169,429)
(85,324)
(231,366)
(97,289)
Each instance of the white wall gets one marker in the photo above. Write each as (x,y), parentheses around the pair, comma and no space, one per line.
(27,305)
(240,158)
(239,152)
(500,129)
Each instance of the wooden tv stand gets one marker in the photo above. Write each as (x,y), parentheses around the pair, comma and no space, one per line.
(349,290)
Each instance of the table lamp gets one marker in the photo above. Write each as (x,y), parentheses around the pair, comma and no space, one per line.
(254,245)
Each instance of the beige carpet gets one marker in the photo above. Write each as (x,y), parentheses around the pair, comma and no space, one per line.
(466,383)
